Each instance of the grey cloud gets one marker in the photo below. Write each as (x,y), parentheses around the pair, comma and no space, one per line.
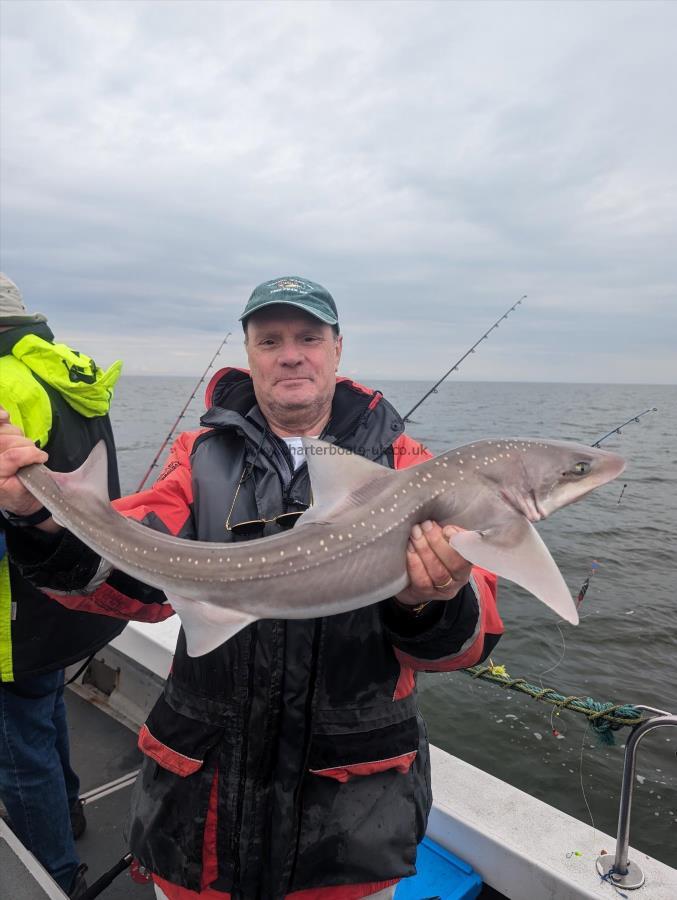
(429,162)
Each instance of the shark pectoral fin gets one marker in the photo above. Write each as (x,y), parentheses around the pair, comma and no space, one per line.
(338,477)
(516,552)
(207,626)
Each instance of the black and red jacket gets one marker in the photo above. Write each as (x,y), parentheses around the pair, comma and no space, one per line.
(292,760)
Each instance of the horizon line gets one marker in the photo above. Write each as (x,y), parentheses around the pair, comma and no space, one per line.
(390,379)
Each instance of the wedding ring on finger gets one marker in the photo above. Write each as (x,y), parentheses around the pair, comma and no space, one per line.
(441,587)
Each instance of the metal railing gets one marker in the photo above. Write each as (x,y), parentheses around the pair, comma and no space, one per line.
(621,871)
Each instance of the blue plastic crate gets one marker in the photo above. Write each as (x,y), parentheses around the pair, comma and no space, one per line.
(439,874)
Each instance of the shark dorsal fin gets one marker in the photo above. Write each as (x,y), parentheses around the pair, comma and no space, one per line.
(91,477)
(337,478)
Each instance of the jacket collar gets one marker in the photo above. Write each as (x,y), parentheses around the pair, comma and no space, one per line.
(8,339)
(361,418)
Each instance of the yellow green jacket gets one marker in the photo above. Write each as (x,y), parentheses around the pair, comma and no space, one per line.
(40,381)
(81,383)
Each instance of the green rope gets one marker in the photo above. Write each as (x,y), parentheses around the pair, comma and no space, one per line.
(605,718)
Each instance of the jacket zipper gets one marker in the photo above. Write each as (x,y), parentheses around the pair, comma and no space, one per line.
(309,716)
(235,842)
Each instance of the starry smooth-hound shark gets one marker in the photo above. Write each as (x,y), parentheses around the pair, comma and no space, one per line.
(349,549)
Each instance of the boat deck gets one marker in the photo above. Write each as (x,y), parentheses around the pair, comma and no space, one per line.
(515,841)
(103,751)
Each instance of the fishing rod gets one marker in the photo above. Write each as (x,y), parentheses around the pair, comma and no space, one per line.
(617,429)
(180,415)
(433,389)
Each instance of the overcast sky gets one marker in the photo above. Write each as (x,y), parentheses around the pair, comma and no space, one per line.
(427,162)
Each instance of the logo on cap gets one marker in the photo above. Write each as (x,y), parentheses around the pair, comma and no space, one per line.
(289,284)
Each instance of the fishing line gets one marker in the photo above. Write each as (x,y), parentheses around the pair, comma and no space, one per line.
(563,654)
(571,853)
(594,565)
(580,773)
(554,711)
(558,625)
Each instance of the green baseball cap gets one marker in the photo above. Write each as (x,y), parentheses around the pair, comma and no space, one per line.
(292,291)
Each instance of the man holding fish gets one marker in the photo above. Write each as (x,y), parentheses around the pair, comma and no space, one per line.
(287,757)
(293,756)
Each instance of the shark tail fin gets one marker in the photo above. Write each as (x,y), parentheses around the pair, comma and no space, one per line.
(92,476)
(516,552)
(207,626)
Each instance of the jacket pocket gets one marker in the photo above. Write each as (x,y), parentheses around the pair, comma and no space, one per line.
(343,756)
(176,742)
(369,780)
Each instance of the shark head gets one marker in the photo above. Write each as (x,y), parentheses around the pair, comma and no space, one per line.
(535,478)
(559,473)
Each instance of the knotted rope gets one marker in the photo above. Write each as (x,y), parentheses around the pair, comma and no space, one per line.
(604,717)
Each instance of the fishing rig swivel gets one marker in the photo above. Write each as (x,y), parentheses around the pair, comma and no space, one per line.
(433,389)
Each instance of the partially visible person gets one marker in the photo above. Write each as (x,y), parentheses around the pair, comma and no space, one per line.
(60,399)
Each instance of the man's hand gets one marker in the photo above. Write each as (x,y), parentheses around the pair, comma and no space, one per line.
(16,451)
(436,571)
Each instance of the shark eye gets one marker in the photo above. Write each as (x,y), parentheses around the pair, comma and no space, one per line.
(581,468)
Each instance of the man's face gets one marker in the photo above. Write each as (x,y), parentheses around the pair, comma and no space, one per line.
(293,359)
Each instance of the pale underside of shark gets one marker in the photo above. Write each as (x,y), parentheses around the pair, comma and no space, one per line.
(349,549)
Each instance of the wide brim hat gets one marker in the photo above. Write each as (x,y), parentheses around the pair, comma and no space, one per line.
(293,291)
(12,309)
